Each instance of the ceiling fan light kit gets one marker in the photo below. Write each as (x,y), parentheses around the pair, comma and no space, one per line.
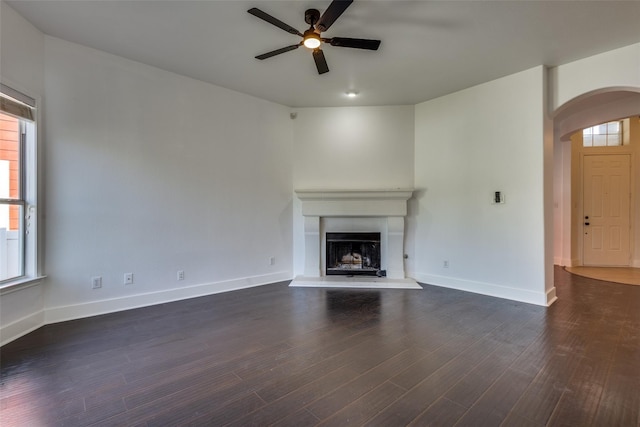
(312,38)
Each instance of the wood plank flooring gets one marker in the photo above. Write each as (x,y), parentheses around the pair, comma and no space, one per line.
(281,356)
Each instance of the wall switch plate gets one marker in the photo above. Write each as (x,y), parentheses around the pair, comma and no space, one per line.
(96,282)
(128,278)
(180,275)
(272,260)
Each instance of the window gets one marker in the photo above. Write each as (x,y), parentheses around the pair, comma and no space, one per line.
(604,135)
(17,186)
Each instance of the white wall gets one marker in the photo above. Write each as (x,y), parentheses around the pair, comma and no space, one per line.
(21,53)
(149,172)
(22,68)
(618,68)
(353,147)
(468,145)
(350,148)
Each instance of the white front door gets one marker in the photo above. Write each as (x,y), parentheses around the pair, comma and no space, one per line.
(606,198)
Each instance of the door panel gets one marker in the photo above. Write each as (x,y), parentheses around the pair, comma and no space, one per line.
(606,228)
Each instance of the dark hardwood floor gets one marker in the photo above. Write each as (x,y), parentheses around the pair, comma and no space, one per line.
(275,355)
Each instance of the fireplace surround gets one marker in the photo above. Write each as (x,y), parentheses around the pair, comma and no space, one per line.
(353,211)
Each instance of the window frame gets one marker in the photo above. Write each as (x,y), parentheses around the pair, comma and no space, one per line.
(620,135)
(29,177)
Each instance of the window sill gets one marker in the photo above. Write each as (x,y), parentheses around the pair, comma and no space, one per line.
(19,284)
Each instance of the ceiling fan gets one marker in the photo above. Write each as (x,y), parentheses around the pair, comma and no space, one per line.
(311,38)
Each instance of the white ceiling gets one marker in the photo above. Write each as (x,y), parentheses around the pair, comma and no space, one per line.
(429,48)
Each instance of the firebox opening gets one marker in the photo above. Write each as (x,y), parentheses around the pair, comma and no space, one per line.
(353,254)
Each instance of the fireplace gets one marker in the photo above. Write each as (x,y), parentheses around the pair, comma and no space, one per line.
(330,212)
(353,254)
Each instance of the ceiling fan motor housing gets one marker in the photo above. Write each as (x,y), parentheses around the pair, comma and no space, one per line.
(311,16)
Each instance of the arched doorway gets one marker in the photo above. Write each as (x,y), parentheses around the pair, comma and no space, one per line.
(582,112)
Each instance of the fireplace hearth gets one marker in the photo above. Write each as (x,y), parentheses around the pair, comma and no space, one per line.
(353,254)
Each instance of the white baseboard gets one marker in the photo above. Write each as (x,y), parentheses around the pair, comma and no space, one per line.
(576,263)
(94,308)
(20,327)
(551,296)
(490,289)
(563,262)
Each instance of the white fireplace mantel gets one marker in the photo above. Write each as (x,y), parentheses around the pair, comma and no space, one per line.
(324,209)
(346,203)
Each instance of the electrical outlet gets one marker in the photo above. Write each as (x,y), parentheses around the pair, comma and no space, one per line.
(96,282)
(180,275)
(272,260)
(445,263)
(128,278)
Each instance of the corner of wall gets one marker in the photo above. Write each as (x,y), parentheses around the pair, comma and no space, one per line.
(551,296)
(21,310)
(548,179)
(490,289)
(21,327)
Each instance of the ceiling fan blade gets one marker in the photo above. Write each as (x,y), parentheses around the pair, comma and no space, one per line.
(273,21)
(355,43)
(332,13)
(278,51)
(321,63)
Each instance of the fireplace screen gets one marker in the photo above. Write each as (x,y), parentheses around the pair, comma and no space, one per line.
(353,253)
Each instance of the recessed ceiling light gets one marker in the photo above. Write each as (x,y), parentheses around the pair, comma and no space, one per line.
(351,93)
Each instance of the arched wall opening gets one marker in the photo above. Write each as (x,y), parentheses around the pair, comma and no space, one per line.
(589,109)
